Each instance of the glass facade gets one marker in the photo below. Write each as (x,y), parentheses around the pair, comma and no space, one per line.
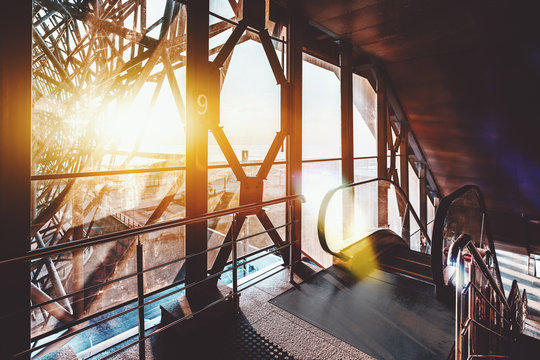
(109,149)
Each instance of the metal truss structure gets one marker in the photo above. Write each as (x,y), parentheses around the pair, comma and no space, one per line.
(88,55)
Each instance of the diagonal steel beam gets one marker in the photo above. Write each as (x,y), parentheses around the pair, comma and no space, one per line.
(225,252)
(228,152)
(271,155)
(229,45)
(274,235)
(272,57)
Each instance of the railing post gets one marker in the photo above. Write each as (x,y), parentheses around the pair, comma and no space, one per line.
(459,287)
(234,265)
(471,309)
(140,298)
(291,240)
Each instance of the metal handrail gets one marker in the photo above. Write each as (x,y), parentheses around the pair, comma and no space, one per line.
(510,314)
(321,225)
(185,257)
(141,296)
(438,229)
(99,239)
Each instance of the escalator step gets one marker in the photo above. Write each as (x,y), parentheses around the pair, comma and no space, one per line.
(402,263)
(413,255)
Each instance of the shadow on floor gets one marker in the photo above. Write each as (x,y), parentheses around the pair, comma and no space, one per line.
(231,337)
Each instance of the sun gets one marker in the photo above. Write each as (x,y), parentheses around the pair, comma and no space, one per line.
(144,125)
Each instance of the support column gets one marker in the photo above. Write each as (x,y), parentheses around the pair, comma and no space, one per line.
(197,110)
(382,166)
(404,176)
(293,111)
(15,165)
(423,202)
(347,135)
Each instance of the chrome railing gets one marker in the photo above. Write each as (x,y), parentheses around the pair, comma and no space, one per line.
(486,322)
(72,325)
(447,222)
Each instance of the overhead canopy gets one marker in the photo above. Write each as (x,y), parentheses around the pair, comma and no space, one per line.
(467,74)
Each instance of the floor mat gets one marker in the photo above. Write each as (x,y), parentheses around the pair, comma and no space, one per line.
(386,315)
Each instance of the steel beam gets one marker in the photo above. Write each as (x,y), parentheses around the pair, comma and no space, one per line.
(54,278)
(382,139)
(404,174)
(225,251)
(55,309)
(229,45)
(197,91)
(347,135)
(292,111)
(271,55)
(15,165)
(272,232)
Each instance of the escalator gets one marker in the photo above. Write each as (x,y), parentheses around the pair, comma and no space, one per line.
(394,292)
(387,264)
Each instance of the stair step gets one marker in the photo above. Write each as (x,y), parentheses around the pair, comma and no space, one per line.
(414,255)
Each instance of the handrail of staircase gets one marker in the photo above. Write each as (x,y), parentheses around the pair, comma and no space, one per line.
(468,293)
(99,239)
(321,223)
(465,242)
(438,229)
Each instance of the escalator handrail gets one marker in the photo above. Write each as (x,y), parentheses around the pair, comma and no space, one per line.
(321,224)
(438,228)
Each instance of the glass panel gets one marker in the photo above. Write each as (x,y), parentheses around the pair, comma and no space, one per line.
(104,204)
(104,99)
(73,271)
(414,198)
(224,188)
(365,169)
(99,102)
(317,179)
(430,215)
(414,189)
(224,8)
(250,105)
(321,110)
(365,117)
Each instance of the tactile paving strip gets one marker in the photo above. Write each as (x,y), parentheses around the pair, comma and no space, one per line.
(232,338)
(248,344)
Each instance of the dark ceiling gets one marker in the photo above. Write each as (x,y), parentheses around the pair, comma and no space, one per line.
(467,74)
